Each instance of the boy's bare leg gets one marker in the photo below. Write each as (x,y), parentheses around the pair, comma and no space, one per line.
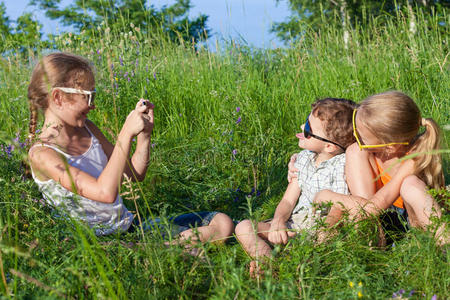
(254,242)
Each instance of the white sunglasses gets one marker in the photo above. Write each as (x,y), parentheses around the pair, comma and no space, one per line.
(91,94)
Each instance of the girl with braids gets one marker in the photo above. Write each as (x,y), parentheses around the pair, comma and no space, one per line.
(391,165)
(78,170)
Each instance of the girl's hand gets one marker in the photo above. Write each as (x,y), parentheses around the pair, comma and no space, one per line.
(136,121)
(292,172)
(147,108)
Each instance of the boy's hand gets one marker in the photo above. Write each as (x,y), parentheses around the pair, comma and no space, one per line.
(292,172)
(279,233)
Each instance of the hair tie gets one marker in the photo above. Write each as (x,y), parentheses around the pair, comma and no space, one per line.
(424,122)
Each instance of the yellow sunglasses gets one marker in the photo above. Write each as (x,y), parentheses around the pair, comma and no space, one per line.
(361,145)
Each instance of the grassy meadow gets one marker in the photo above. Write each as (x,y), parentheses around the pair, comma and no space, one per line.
(225,124)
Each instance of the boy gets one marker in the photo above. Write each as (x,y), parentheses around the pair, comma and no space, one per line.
(327,132)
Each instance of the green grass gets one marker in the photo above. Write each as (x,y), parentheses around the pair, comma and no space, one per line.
(196,94)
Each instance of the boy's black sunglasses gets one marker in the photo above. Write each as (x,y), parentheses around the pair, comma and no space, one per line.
(307,131)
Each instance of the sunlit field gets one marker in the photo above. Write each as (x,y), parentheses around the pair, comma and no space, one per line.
(225,124)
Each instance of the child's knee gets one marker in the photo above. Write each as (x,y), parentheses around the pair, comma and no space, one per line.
(244,227)
(411,185)
(223,223)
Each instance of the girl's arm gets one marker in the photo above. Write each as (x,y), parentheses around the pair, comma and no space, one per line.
(136,168)
(381,200)
(359,173)
(51,164)
(278,233)
(292,170)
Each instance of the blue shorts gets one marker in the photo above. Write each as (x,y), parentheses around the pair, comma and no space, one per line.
(174,225)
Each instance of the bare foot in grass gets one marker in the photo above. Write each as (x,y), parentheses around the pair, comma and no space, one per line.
(188,248)
(255,269)
(324,235)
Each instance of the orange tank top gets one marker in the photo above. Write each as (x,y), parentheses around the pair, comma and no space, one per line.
(383,180)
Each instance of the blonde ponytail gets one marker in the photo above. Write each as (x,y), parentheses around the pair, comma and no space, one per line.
(429,163)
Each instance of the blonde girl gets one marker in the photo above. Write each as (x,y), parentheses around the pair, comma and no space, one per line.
(74,165)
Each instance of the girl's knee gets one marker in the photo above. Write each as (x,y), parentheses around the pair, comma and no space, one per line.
(223,223)
(411,185)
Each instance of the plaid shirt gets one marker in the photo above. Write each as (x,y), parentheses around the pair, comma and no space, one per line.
(329,175)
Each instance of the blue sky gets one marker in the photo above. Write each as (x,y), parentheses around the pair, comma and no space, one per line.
(247,19)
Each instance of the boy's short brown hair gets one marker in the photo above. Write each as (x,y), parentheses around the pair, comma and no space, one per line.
(336,115)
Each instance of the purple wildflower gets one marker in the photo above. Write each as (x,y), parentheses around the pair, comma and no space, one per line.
(234,152)
(154,75)
(9,149)
(125,75)
(112,66)
(98,52)
(434,297)
(238,120)
(401,292)
(146,68)
(121,60)
(238,109)
(258,193)
(153,145)
(411,293)
(137,62)
(180,114)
